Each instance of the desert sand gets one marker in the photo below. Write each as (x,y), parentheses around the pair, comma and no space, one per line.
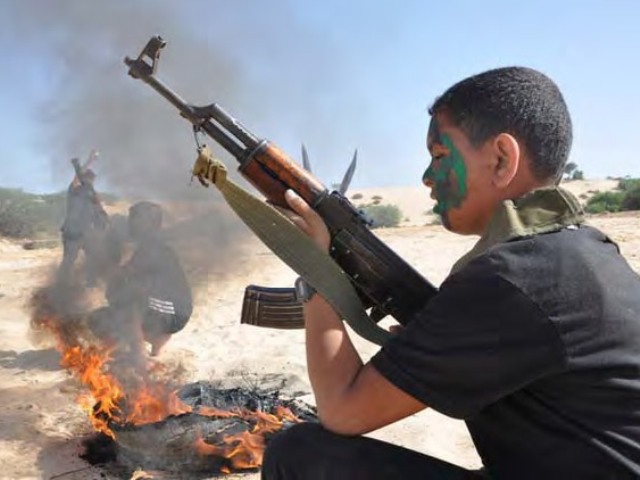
(41,424)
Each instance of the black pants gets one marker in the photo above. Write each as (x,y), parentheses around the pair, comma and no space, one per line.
(71,248)
(309,452)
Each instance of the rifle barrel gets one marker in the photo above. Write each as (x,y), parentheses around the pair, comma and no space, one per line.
(190,112)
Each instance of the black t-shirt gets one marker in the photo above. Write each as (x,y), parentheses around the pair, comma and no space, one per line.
(155,271)
(536,345)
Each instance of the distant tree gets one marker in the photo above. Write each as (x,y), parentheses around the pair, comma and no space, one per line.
(577,175)
(569,168)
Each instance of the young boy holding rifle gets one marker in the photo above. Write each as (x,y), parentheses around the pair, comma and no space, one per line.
(533,339)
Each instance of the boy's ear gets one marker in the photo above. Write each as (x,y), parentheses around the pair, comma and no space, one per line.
(507,159)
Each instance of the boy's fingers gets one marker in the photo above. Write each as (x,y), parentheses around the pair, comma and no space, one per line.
(301,224)
(298,205)
(308,220)
(293,216)
(284,211)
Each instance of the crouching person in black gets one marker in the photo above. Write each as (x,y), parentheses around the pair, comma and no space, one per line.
(149,298)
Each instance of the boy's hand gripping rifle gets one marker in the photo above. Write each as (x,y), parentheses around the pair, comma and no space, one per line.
(383,281)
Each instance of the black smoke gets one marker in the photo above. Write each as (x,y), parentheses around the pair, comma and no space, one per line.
(255,58)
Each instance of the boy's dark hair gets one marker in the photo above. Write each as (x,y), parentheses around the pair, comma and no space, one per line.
(148,212)
(516,100)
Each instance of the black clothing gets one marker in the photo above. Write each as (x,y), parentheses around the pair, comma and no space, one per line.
(83,211)
(71,247)
(534,340)
(157,323)
(536,344)
(155,281)
(307,451)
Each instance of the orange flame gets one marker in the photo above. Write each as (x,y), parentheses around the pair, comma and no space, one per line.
(105,391)
(246,449)
(149,402)
(107,401)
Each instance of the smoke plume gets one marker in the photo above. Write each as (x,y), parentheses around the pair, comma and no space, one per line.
(255,59)
(235,53)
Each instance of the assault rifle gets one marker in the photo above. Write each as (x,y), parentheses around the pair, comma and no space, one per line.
(385,283)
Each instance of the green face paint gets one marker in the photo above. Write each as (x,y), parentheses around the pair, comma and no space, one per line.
(449,177)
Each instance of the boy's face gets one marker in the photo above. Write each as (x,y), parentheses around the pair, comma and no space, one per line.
(459,177)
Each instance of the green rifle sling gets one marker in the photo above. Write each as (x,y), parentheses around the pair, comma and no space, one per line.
(297,250)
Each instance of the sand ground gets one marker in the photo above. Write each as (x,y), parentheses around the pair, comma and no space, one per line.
(41,424)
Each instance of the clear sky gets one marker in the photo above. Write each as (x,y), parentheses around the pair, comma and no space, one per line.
(336,74)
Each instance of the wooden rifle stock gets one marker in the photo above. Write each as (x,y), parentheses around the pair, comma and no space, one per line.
(271,171)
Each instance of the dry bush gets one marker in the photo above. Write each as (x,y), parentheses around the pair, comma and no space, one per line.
(383,216)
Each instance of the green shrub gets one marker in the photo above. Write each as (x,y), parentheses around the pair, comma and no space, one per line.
(631,200)
(605,202)
(626,184)
(28,215)
(596,208)
(383,216)
(626,197)
(12,225)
